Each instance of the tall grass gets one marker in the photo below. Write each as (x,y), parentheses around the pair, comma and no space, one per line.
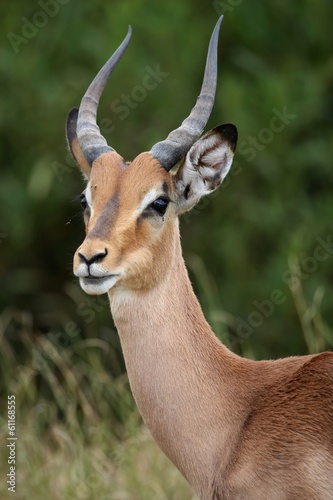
(79,434)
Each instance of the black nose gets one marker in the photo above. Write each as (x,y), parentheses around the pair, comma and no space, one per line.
(94,258)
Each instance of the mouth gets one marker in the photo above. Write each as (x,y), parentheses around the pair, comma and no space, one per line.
(95,285)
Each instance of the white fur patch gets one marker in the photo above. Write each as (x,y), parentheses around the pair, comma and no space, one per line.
(87,193)
(98,286)
(81,270)
(148,198)
(97,270)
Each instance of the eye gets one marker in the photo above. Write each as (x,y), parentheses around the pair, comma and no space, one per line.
(83,201)
(160,205)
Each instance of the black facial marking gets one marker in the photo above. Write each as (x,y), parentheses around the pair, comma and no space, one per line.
(165,188)
(144,215)
(157,208)
(187,191)
(83,201)
(104,222)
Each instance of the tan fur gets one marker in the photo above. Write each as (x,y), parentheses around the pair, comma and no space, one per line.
(235,428)
(79,157)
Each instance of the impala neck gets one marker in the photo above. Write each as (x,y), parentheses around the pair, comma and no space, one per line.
(182,377)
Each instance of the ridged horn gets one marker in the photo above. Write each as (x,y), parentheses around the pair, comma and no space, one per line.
(179,141)
(92,143)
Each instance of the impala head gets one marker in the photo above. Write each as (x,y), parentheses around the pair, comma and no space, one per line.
(131,209)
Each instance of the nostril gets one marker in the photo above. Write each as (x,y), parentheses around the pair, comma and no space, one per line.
(83,257)
(94,258)
(98,256)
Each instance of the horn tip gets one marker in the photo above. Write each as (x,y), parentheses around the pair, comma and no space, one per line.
(218,24)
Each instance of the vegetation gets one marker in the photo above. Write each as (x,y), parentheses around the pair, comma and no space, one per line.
(259,251)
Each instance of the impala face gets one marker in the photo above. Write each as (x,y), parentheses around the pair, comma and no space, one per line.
(128,217)
(131,209)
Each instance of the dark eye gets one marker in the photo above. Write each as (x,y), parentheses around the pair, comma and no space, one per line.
(160,205)
(83,201)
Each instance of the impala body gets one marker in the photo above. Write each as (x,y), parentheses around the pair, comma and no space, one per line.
(235,428)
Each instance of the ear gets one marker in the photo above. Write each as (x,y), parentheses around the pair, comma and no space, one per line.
(73,142)
(205,166)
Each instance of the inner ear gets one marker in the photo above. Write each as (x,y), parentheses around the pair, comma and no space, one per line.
(73,142)
(205,165)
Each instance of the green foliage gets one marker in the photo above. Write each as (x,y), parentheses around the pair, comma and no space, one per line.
(79,435)
(259,251)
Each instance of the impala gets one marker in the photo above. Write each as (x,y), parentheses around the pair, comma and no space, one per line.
(235,428)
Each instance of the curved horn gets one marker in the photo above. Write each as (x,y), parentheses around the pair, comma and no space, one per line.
(91,140)
(179,141)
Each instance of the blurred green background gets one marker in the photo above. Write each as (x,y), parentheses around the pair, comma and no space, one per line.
(259,251)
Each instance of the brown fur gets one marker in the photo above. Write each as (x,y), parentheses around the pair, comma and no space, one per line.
(235,428)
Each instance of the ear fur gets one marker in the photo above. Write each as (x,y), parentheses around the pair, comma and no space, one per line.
(73,143)
(205,166)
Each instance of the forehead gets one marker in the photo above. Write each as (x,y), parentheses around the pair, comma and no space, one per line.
(111,176)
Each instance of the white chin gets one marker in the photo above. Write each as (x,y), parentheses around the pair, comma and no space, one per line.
(98,286)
